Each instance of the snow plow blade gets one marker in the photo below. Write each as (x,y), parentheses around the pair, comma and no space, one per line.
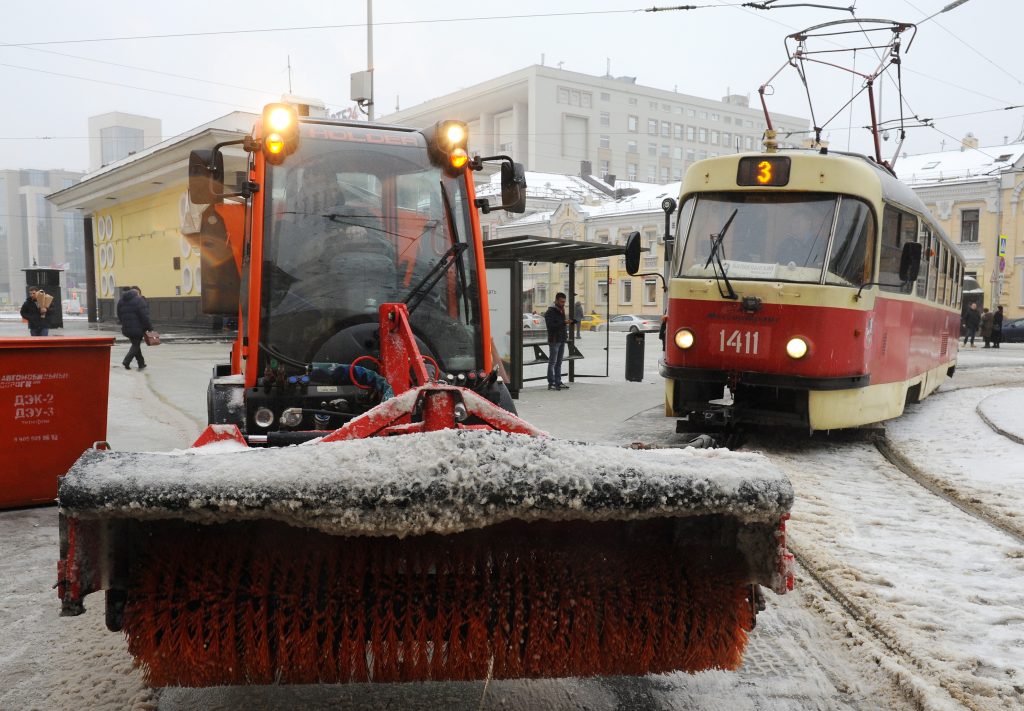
(454,554)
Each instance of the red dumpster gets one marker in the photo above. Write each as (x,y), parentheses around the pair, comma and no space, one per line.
(53,406)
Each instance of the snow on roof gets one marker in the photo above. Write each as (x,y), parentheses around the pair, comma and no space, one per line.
(436,482)
(966,164)
(558,186)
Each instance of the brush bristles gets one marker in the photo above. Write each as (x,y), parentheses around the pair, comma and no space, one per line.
(271,604)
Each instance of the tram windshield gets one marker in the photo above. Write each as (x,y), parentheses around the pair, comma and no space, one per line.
(813,238)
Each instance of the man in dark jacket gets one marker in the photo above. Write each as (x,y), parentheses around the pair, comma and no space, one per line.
(971,320)
(37,316)
(133,312)
(555,320)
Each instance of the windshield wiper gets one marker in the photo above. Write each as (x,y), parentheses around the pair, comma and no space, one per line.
(419,292)
(715,260)
(453,255)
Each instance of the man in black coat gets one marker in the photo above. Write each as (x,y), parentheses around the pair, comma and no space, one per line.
(133,313)
(972,319)
(39,319)
(555,320)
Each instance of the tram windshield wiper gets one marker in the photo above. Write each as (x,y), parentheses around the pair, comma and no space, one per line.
(715,260)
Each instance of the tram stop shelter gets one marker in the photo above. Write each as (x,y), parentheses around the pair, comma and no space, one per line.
(504,258)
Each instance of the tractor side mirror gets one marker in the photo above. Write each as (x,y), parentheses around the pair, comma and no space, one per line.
(513,187)
(910,262)
(633,253)
(206,176)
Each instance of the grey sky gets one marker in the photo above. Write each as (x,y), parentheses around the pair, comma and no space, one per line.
(705,52)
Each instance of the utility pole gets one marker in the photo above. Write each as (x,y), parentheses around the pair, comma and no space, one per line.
(369,55)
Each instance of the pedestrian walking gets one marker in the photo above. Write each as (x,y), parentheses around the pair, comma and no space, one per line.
(133,312)
(997,327)
(972,320)
(986,327)
(34,311)
(557,323)
(577,314)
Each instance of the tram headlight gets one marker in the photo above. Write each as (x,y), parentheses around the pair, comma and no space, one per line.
(796,348)
(684,338)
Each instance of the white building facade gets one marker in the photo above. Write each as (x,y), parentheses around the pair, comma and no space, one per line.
(552,120)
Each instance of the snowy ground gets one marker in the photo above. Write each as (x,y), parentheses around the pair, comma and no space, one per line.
(906,601)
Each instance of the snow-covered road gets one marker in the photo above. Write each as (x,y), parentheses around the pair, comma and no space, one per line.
(943,587)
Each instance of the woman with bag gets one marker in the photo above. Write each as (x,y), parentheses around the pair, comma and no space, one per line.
(133,312)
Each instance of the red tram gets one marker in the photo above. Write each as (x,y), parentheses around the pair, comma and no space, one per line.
(808,289)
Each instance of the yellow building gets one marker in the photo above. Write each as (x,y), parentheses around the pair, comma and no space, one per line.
(975,194)
(138,221)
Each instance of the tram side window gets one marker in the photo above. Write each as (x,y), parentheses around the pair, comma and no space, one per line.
(898,227)
(853,247)
(946,282)
(925,238)
(933,278)
(943,277)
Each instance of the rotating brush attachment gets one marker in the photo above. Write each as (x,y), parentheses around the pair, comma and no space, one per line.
(264,603)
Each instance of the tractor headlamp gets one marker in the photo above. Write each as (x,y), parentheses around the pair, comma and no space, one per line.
(447,143)
(280,132)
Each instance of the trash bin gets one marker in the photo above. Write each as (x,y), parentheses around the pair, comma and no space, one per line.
(635,357)
(53,406)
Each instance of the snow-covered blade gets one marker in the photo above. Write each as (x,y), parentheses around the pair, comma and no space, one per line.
(437,482)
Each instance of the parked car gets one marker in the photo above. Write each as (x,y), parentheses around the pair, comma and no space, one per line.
(632,323)
(1013,331)
(532,322)
(591,321)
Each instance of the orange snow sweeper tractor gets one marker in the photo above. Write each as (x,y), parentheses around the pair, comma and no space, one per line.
(365,505)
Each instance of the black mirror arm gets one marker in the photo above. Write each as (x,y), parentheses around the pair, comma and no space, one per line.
(865,285)
(664,284)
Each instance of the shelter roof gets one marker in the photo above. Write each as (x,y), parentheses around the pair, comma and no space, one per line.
(530,248)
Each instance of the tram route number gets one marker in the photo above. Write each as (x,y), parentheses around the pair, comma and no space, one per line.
(740,342)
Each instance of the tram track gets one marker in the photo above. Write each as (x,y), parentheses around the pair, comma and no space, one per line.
(845,589)
(965,503)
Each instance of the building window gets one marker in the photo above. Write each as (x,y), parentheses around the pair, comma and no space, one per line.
(715,117)
(691,113)
(663,151)
(630,171)
(605,142)
(586,99)
(714,138)
(691,133)
(969,225)
(664,173)
(605,96)
(726,138)
(750,143)
(605,169)
(540,294)
(703,115)
(650,291)
(690,154)
(677,174)
(677,152)
(677,131)
(606,118)
(702,154)
(727,119)
(632,101)
(652,150)
(602,291)
(652,127)
(630,146)
(666,129)
(652,174)
(652,105)
(702,135)
(563,95)
(626,291)
(678,110)
(632,124)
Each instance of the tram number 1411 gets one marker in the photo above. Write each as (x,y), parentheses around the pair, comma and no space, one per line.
(741,342)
